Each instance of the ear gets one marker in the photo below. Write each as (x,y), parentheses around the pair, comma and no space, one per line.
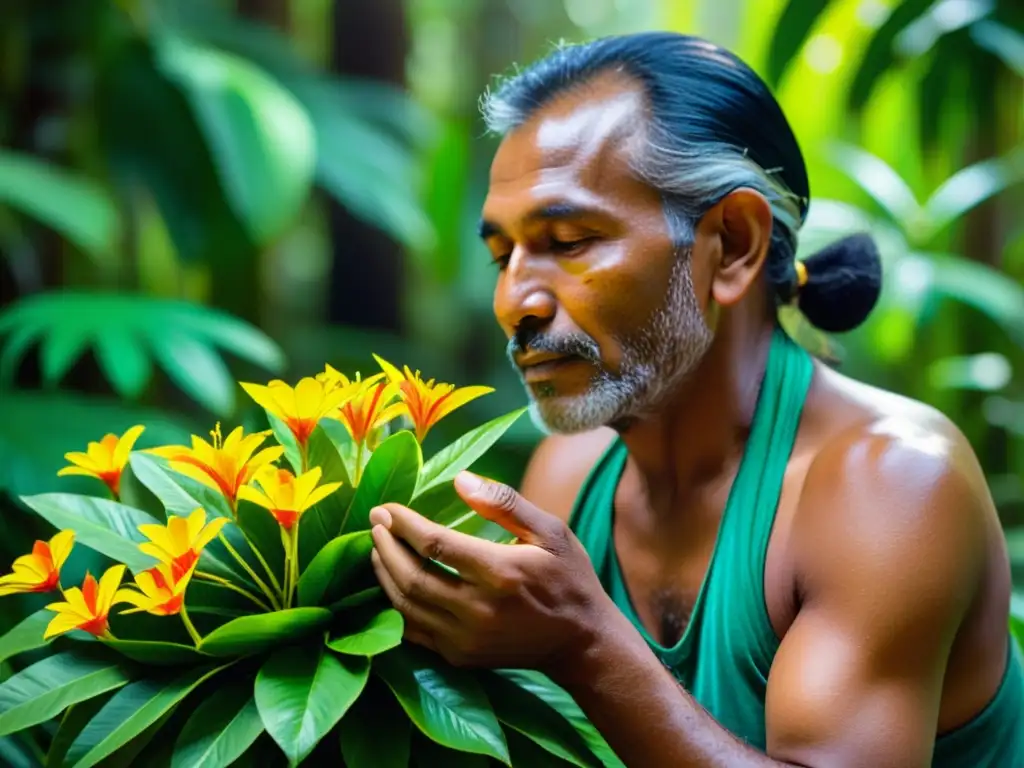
(741,222)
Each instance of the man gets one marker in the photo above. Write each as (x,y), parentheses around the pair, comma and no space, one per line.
(728,554)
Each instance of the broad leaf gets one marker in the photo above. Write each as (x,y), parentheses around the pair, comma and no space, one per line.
(130,712)
(390,476)
(442,504)
(262,532)
(880,54)
(48,687)
(122,355)
(791,32)
(75,718)
(375,732)
(336,569)
(252,634)
(971,186)
(557,698)
(879,180)
(445,703)
(27,635)
(220,730)
(443,466)
(110,528)
(523,711)
(526,751)
(155,652)
(197,368)
(302,692)
(430,754)
(368,632)
(286,438)
(19,751)
(322,523)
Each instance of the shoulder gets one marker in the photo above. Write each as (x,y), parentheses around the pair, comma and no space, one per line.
(560,466)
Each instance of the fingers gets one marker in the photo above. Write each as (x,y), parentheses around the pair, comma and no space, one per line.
(416,578)
(471,557)
(500,504)
(420,620)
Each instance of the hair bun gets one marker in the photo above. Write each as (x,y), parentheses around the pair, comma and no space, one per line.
(844,280)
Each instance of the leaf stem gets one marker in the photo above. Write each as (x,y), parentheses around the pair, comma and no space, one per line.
(294,565)
(263,562)
(358,474)
(252,574)
(196,637)
(234,588)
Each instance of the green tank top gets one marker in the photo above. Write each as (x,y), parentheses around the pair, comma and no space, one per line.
(727,649)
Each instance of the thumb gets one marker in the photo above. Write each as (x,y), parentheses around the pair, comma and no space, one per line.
(501,504)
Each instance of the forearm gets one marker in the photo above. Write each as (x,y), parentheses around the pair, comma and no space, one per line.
(642,711)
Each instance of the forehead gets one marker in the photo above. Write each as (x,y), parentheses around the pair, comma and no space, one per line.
(575,149)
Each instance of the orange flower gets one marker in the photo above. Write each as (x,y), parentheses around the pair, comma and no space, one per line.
(179,543)
(426,402)
(158,590)
(285,496)
(39,571)
(369,404)
(104,460)
(87,608)
(225,465)
(300,408)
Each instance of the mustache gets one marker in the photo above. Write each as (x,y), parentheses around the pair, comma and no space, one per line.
(571,345)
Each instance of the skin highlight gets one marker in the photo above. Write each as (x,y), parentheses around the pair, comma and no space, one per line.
(886,575)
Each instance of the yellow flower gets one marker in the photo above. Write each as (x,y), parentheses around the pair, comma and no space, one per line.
(368,405)
(300,408)
(179,543)
(40,570)
(426,402)
(87,608)
(158,590)
(104,460)
(285,496)
(225,465)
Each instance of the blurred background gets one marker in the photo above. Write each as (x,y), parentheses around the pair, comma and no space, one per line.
(195,192)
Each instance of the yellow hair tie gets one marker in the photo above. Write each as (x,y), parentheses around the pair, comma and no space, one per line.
(801,274)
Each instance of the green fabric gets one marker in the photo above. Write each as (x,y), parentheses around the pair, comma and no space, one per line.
(726,652)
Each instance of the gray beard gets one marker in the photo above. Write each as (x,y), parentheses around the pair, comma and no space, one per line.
(656,361)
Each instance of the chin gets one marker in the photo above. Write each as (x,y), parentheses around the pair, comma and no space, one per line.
(572,414)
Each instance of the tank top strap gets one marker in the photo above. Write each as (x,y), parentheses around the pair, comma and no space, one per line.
(592,515)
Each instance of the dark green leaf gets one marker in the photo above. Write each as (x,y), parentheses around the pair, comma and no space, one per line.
(130,712)
(375,732)
(340,438)
(791,32)
(124,360)
(302,692)
(220,730)
(1001,41)
(430,754)
(17,752)
(62,347)
(196,367)
(48,687)
(358,599)
(525,751)
(335,569)
(442,504)
(75,718)
(322,523)
(459,455)
(156,653)
(110,528)
(368,632)
(445,703)
(390,476)
(252,634)
(263,532)
(27,635)
(880,54)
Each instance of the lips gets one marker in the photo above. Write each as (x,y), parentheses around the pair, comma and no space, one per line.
(547,368)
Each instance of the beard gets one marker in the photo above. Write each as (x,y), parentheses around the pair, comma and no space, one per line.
(656,360)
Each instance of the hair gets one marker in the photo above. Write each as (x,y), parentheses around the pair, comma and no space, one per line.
(712,127)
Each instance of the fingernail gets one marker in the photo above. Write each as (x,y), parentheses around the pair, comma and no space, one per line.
(468,483)
(380,516)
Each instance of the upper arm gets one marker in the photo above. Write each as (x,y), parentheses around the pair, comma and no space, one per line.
(889,544)
(559,467)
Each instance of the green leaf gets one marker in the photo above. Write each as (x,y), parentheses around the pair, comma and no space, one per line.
(155,652)
(390,476)
(130,712)
(430,754)
(45,689)
(971,186)
(989,291)
(123,358)
(335,569)
(445,703)
(252,634)
(878,179)
(75,718)
(18,751)
(368,632)
(263,532)
(260,137)
(791,32)
(73,206)
(27,635)
(1002,41)
(375,732)
(322,523)
(286,437)
(880,55)
(536,719)
(448,462)
(302,693)
(110,528)
(442,504)
(525,751)
(340,438)
(61,349)
(557,698)
(220,730)
(196,367)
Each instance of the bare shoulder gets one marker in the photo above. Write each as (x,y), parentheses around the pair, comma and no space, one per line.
(559,467)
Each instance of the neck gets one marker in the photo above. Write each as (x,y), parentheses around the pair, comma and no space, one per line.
(706,421)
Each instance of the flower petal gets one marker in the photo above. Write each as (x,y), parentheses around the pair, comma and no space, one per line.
(109,583)
(457,399)
(77,471)
(263,397)
(208,533)
(394,375)
(320,494)
(60,547)
(125,444)
(256,496)
(61,623)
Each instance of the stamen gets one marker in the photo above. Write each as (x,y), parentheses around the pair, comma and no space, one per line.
(218,439)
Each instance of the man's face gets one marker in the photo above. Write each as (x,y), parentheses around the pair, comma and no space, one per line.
(598,304)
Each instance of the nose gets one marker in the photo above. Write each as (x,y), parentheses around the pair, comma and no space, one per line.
(522,300)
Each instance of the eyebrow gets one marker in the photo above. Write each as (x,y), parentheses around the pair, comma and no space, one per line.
(488,229)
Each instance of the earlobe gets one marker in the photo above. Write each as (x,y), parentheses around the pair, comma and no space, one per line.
(745,229)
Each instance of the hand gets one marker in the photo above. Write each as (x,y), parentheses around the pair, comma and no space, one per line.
(536,604)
